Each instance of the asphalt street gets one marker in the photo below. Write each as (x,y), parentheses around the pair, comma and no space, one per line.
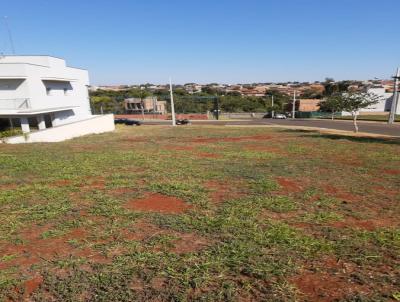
(366,127)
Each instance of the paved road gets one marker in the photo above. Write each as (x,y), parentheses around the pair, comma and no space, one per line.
(367,127)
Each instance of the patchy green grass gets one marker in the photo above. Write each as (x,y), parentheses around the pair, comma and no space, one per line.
(200,214)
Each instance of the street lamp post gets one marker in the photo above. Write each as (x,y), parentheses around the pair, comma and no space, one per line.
(272,104)
(294,104)
(172,103)
(395,99)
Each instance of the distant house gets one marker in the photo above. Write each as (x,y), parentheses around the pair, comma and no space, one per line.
(308,105)
(146,106)
(192,88)
(41,92)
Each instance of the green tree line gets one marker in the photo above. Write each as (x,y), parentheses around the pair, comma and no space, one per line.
(112,101)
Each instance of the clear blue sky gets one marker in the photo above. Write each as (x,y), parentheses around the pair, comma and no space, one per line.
(228,41)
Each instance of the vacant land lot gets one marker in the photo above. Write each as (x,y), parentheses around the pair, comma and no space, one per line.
(201,214)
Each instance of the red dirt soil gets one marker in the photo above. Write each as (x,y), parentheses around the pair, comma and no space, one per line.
(186,242)
(368,224)
(61,183)
(12,186)
(207,155)
(221,191)
(37,249)
(158,203)
(268,149)
(231,139)
(385,191)
(391,172)
(31,285)
(141,230)
(97,184)
(289,185)
(324,287)
(191,148)
(344,159)
(179,148)
(328,189)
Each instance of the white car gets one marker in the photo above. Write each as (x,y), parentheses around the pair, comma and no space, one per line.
(280,116)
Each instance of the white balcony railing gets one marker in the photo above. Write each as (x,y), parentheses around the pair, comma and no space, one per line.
(15,104)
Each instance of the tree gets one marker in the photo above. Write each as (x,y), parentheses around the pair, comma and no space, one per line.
(332,104)
(280,99)
(103,104)
(311,93)
(354,101)
(336,87)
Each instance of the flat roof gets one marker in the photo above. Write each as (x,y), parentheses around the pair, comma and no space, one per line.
(29,112)
(39,56)
(13,77)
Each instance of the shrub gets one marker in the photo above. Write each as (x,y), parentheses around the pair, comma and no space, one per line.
(10,132)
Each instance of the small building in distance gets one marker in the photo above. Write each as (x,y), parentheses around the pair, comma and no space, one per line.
(308,105)
(148,105)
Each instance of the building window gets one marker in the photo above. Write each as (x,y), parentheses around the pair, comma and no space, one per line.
(48,90)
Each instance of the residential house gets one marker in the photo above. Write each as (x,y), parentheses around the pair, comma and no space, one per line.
(146,105)
(42,92)
(308,105)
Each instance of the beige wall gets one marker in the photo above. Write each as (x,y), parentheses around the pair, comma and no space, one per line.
(309,105)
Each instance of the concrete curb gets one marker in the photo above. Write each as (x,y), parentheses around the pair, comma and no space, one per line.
(351,121)
(321,130)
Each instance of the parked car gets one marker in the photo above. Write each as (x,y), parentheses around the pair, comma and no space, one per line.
(130,122)
(280,116)
(183,122)
(120,120)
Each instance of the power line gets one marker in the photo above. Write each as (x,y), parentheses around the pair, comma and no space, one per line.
(9,35)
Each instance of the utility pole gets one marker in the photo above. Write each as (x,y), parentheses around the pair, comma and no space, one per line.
(217,108)
(272,105)
(294,104)
(395,99)
(142,106)
(172,103)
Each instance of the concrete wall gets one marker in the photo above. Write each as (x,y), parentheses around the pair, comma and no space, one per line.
(193,116)
(94,125)
(383,106)
(306,105)
(240,115)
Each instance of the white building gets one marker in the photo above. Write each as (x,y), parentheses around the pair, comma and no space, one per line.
(383,106)
(42,92)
